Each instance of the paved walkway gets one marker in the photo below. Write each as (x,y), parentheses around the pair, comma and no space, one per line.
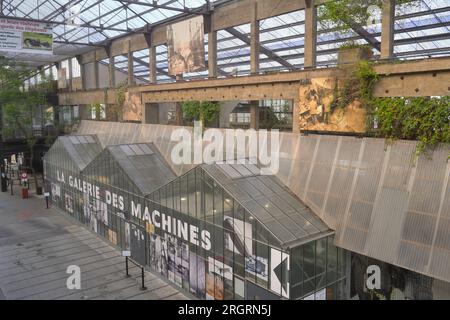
(37,245)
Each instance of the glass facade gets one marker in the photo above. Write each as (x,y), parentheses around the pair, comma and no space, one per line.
(319,271)
(195,232)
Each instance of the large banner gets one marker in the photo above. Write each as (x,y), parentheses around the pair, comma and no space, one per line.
(26,36)
(186,46)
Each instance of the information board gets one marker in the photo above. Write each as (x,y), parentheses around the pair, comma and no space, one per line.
(26,36)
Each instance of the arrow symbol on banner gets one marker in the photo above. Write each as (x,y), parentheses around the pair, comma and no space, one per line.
(281,272)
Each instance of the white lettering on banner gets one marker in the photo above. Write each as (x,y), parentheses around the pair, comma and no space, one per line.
(167,223)
(194,235)
(206,240)
(136,210)
(154,214)
(147,216)
(60,176)
(183,230)
(166,226)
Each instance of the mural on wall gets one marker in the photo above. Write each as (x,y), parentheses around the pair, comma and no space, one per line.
(132,107)
(185,45)
(315,114)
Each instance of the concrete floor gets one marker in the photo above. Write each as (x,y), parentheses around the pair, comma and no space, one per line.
(37,245)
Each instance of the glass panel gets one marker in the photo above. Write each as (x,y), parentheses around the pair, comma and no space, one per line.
(208,198)
(183,194)
(191,189)
(331,261)
(309,253)
(239,289)
(321,255)
(297,268)
(218,205)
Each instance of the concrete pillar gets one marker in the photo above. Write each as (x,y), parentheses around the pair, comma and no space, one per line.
(212,49)
(70,73)
(130,69)
(82,72)
(178,114)
(387,29)
(96,75)
(254,40)
(111,72)
(254,114)
(310,34)
(295,117)
(152,64)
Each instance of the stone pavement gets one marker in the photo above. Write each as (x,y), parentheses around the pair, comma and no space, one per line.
(37,245)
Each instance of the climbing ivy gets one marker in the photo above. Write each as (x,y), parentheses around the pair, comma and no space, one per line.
(358,86)
(204,111)
(343,15)
(424,119)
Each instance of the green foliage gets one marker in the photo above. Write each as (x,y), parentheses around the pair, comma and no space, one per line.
(97,108)
(424,119)
(354,45)
(121,91)
(358,87)
(367,78)
(344,14)
(18,105)
(205,111)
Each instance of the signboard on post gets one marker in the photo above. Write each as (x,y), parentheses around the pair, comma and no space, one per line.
(26,36)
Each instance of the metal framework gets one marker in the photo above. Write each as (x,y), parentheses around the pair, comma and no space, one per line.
(81,25)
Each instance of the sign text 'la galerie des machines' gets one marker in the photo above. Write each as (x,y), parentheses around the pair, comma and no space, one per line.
(26,36)
(162,221)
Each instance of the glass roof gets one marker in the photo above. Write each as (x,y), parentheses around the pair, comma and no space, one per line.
(143,164)
(74,152)
(270,202)
(421,30)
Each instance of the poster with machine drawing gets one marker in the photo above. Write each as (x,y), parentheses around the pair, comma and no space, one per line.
(186,46)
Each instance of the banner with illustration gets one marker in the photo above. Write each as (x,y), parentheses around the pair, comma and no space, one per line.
(26,36)
(186,46)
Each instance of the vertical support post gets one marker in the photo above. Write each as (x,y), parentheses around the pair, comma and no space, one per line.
(152,63)
(143,287)
(11,182)
(111,72)
(96,75)
(82,72)
(130,66)
(70,73)
(126,267)
(178,115)
(254,115)
(387,29)
(310,34)
(254,39)
(212,47)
